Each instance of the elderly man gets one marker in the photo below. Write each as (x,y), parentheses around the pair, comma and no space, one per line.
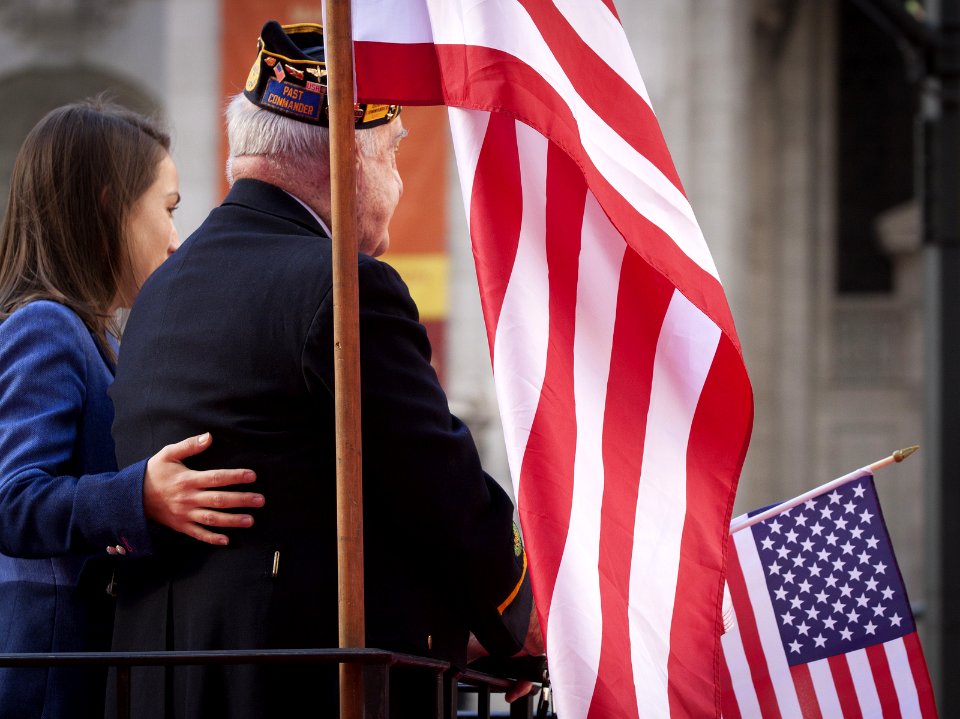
(235,334)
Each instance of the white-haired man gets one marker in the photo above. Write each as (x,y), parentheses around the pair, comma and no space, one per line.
(234,335)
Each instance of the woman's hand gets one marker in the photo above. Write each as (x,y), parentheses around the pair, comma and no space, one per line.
(188,501)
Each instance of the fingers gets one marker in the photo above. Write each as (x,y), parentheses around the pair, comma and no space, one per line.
(186,448)
(211,518)
(520,689)
(187,501)
(229,500)
(222,477)
(474,653)
(205,535)
(475,649)
(201,519)
(213,478)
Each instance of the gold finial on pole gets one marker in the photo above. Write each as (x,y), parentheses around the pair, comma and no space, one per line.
(898,456)
(902,454)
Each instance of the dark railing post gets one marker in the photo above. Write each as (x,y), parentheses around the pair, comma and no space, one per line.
(483,702)
(451,681)
(123,691)
(522,708)
(376,687)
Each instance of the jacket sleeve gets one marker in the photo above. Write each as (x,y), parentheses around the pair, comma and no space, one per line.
(435,477)
(48,507)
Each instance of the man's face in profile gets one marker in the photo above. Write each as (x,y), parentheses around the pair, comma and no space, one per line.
(379,187)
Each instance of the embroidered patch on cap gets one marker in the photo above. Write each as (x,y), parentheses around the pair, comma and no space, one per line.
(292,100)
(289,77)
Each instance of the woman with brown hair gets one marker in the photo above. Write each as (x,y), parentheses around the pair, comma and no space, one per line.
(90,216)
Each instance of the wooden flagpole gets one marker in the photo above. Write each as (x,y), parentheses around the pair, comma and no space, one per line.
(346,348)
(898,456)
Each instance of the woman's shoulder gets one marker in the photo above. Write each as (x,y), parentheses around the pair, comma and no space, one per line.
(45,311)
(45,321)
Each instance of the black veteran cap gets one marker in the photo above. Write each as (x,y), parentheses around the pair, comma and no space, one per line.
(289,77)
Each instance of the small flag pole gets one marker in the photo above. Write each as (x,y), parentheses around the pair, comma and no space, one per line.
(898,456)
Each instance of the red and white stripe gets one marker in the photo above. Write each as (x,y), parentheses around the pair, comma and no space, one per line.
(625,403)
(879,681)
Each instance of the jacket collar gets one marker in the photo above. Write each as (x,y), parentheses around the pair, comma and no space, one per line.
(264,197)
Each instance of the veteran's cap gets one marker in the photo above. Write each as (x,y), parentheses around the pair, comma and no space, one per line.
(289,77)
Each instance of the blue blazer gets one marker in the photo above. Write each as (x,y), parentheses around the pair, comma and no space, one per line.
(62,502)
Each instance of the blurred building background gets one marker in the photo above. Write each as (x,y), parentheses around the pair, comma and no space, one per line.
(792,125)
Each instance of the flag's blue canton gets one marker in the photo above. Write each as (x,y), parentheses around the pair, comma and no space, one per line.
(833,580)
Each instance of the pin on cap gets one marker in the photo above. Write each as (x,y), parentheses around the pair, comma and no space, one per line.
(289,77)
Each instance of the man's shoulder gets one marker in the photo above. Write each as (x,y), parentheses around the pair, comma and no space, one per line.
(271,206)
(236,263)
(244,239)
(382,286)
(373,269)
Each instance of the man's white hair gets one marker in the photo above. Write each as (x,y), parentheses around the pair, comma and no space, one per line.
(251,130)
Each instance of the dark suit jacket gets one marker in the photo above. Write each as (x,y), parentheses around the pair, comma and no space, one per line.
(62,502)
(234,335)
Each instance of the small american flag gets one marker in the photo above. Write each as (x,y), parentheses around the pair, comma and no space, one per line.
(822,625)
(626,405)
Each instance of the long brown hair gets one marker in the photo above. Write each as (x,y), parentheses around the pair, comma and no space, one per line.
(77,175)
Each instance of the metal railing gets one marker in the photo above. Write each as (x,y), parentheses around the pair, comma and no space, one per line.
(376,665)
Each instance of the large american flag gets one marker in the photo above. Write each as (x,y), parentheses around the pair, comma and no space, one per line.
(625,402)
(820,622)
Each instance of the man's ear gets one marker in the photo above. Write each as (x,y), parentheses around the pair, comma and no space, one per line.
(358,165)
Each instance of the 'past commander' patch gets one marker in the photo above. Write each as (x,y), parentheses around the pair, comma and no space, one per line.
(292,100)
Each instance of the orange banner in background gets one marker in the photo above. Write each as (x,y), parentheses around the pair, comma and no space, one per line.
(418,230)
